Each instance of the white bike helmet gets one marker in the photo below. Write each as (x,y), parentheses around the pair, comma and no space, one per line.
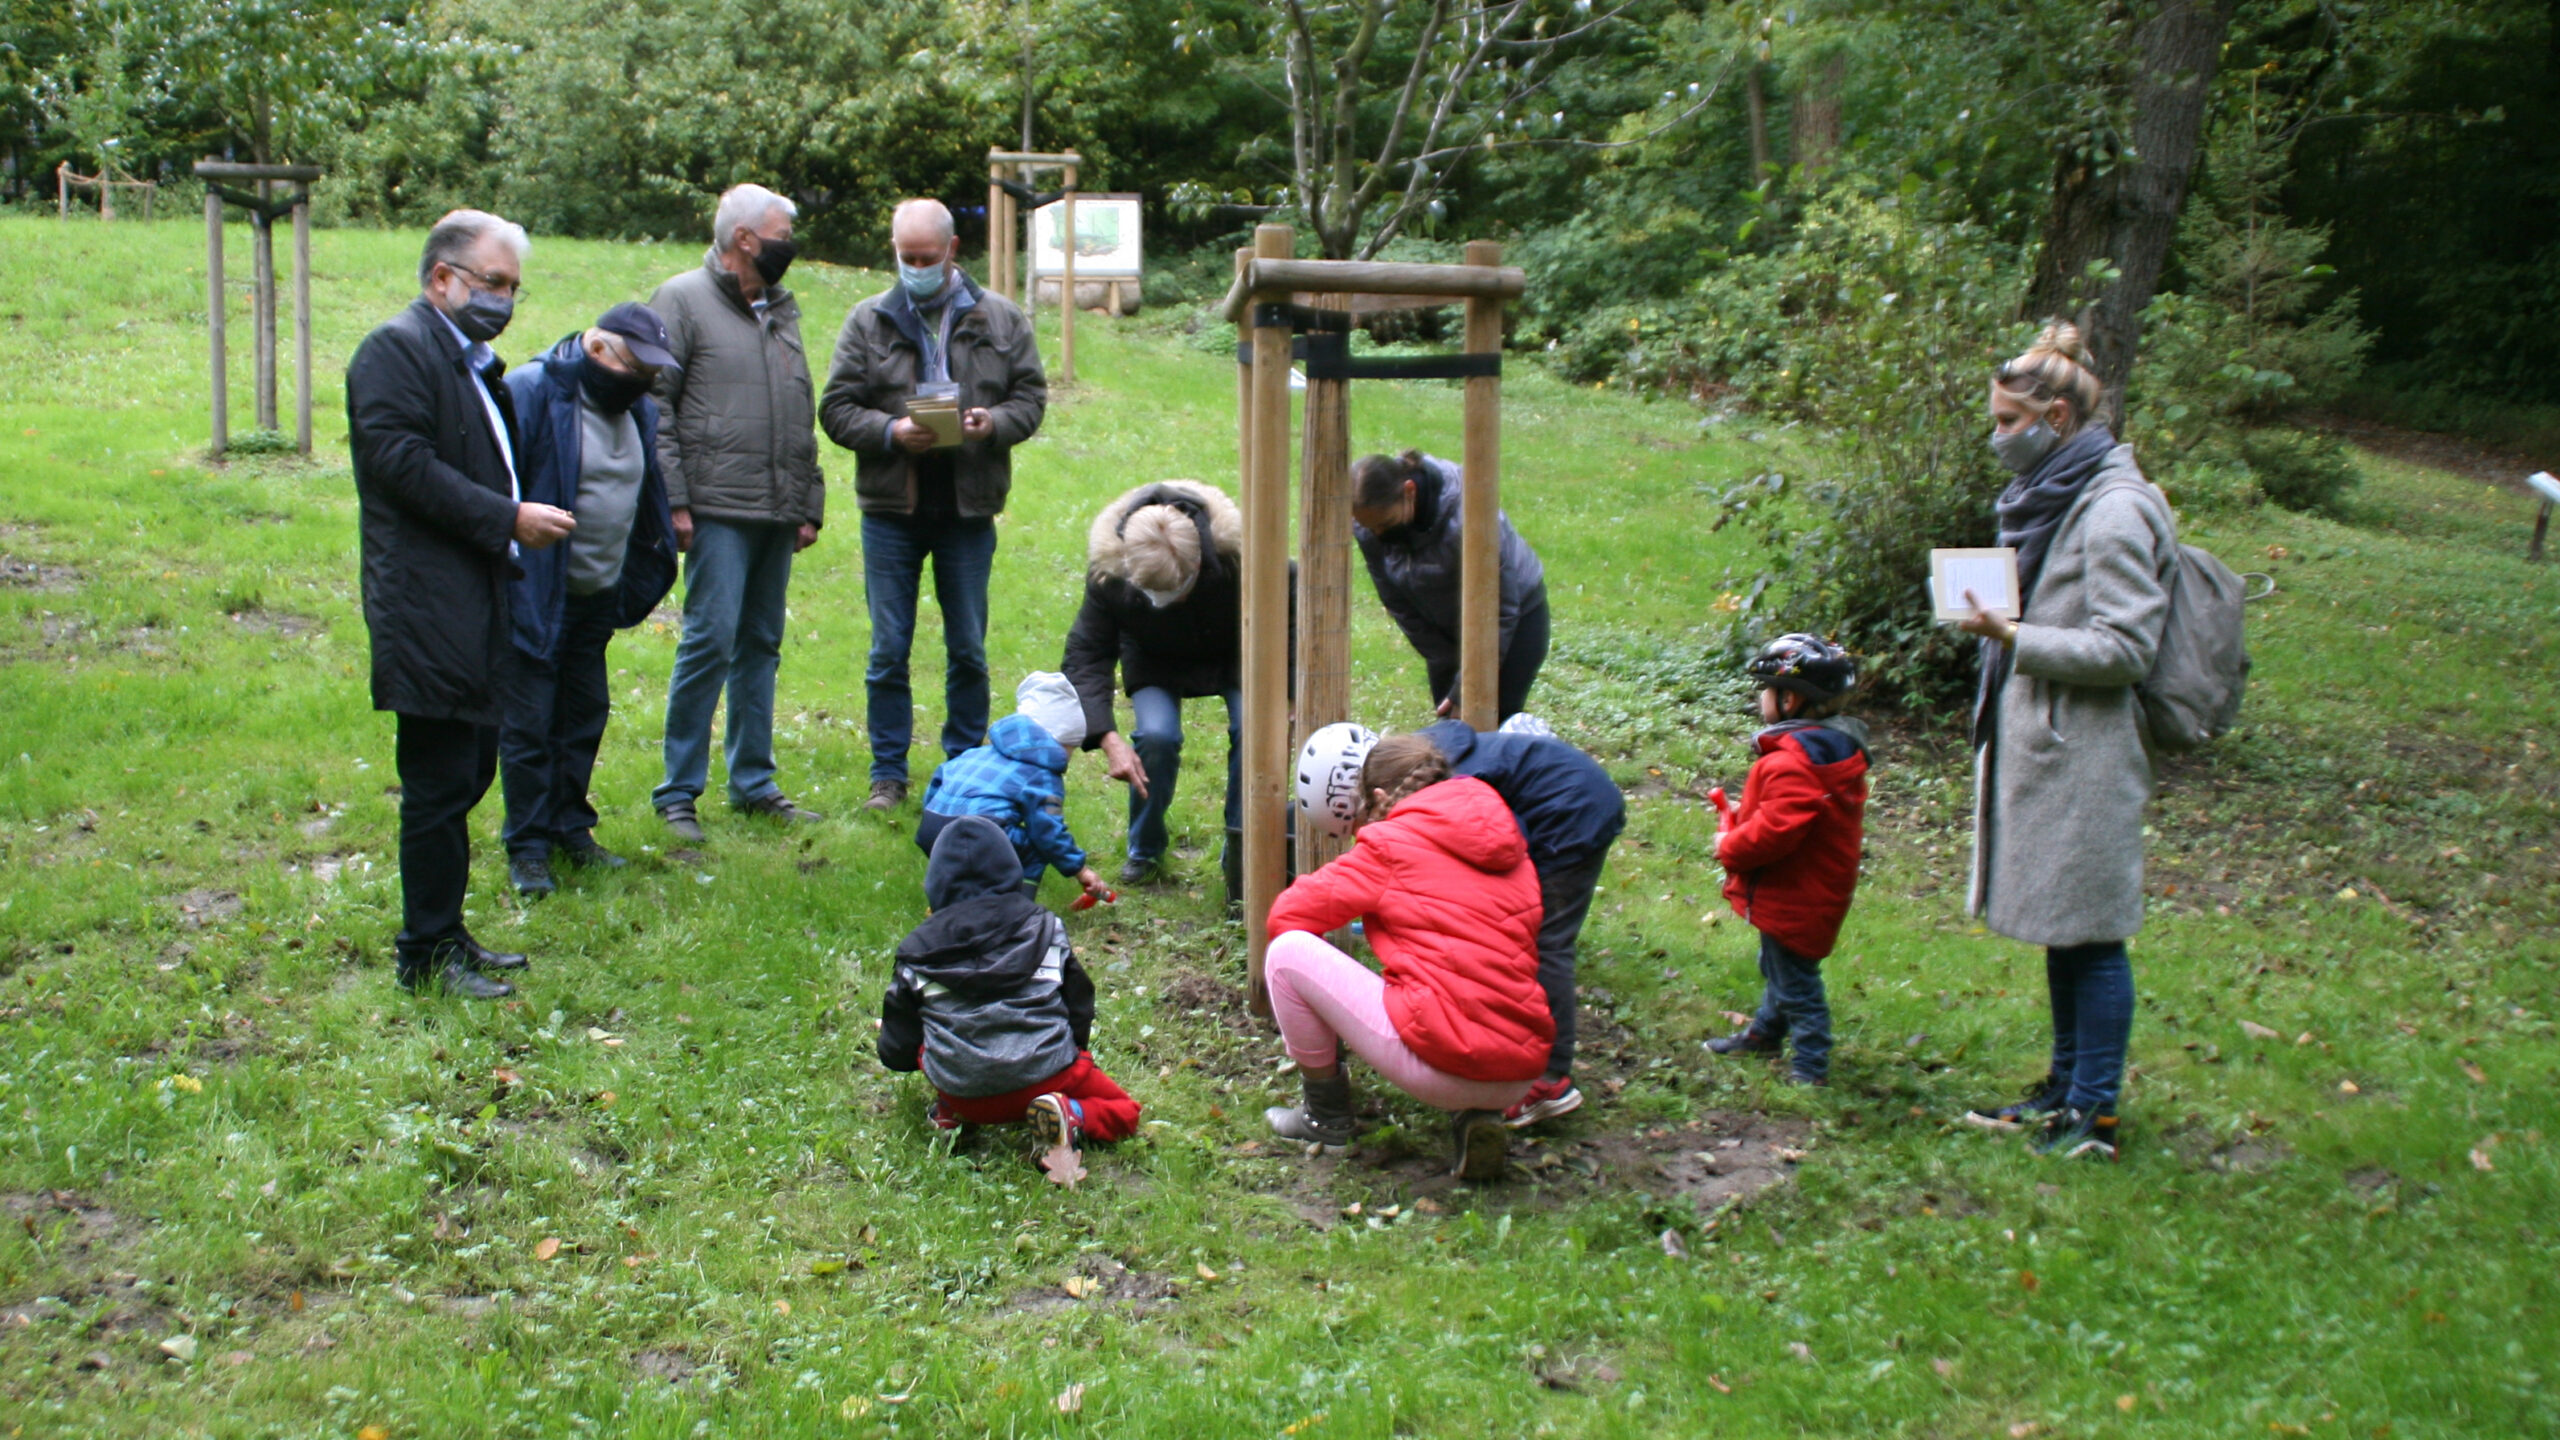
(1329,775)
(1525,723)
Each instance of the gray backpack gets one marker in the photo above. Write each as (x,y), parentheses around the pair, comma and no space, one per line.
(2192,695)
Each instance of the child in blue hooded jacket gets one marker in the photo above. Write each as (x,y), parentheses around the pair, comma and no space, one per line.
(1018,779)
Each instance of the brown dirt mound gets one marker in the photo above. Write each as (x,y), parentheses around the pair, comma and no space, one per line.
(1720,1159)
(1103,1281)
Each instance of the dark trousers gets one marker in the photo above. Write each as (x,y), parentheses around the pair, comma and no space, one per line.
(553,723)
(1793,1007)
(1565,887)
(2092,991)
(895,551)
(445,767)
(1156,734)
(1521,661)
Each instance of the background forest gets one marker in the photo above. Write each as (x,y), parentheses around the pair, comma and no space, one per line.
(1836,212)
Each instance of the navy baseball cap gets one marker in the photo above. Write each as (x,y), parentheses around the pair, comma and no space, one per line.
(640,329)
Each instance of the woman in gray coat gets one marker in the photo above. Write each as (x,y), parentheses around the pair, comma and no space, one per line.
(2061,770)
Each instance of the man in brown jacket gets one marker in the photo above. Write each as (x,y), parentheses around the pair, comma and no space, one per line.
(745,493)
(937,333)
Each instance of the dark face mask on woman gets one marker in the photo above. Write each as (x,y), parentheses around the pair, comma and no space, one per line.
(773,257)
(613,391)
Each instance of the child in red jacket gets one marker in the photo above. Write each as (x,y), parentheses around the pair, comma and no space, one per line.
(1790,849)
(1442,880)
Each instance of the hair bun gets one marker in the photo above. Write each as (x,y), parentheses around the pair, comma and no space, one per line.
(2063,339)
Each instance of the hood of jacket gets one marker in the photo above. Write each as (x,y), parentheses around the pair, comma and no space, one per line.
(1824,742)
(984,934)
(1468,822)
(1019,737)
(1107,550)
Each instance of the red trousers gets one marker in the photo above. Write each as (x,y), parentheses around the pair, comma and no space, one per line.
(1109,1113)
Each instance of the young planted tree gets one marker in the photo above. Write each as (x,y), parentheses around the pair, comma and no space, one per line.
(1387,98)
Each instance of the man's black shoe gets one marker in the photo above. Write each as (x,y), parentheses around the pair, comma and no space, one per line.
(1135,871)
(588,855)
(481,957)
(453,977)
(531,875)
(1750,1040)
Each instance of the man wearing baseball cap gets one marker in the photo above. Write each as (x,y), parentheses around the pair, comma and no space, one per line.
(590,446)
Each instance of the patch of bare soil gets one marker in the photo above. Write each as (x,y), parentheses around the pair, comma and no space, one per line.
(199,908)
(675,1365)
(2372,1180)
(1097,1280)
(64,1224)
(275,622)
(2505,469)
(1707,1164)
(2245,1155)
(36,575)
(226,1041)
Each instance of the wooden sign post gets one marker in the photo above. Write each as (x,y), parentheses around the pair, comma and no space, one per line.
(264,210)
(1284,309)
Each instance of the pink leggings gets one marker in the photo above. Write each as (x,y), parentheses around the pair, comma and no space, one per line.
(1324,999)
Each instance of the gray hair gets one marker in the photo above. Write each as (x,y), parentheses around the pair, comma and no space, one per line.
(460,232)
(745,206)
(938,212)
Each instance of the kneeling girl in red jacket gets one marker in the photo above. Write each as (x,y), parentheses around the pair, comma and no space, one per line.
(1790,850)
(1447,897)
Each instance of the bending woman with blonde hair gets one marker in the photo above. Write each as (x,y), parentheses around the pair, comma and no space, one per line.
(2061,769)
(1441,878)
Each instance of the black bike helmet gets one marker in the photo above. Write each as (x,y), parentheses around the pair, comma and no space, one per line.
(1806,664)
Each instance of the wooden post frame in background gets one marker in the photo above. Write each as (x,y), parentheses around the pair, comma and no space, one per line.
(264,211)
(1005,241)
(1275,297)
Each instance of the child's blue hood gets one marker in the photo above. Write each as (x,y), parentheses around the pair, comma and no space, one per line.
(1019,737)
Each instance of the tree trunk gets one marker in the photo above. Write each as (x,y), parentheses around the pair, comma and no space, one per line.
(1757,105)
(1817,115)
(2118,198)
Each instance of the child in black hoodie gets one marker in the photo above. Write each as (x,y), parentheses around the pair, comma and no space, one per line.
(989,1002)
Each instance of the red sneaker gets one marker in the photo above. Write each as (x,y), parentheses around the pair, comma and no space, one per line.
(1546,1100)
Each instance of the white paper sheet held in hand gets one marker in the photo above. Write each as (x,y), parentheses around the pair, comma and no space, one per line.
(1992,575)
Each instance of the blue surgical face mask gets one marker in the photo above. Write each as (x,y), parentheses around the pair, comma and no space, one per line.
(923,282)
(2025,449)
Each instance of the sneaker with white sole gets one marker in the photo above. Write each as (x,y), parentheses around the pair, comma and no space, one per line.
(2076,1134)
(2042,1099)
(1055,1121)
(1553,1096)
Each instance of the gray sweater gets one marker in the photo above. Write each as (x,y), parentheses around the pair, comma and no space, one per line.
(610,469)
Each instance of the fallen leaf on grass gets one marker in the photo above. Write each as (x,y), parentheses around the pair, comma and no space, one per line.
(781,1307)
(818,1267)
(2023,1429)
(1718,1382)
(2125,1403)
(2256,1031)
(1800,1350)
(1790,1154)
(605,1099)
(2027,1280)
(1080,1286)
(505,1076)
(1674,1246)
(634,1262)
(1945,1367)
(2480,1154)
(2472,1068)
(374,1432)
(179,1347)
(1206,1273)
(1071,1399)
(1063,1166)
(854,1407)
(547,1247)
(2349,1087)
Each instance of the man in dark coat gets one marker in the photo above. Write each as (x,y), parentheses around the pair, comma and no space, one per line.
(433,434)
(590,435)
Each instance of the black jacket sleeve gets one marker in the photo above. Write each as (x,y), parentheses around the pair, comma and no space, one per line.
(1078,989)
(391,425)
(1092,658)
(901,1044)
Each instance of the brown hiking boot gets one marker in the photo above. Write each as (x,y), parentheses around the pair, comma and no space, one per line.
(886,795)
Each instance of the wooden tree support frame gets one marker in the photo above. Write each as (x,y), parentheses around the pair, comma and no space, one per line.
(106,182)
(1285,308)
(1011,174)
(264,210)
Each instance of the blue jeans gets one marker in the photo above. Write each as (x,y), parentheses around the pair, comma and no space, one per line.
(1156,734)
(894,551)
(2092,990)
(1793,1007)
(735,578)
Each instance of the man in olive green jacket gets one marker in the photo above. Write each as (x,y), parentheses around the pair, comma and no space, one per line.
(924,501)
(746,493)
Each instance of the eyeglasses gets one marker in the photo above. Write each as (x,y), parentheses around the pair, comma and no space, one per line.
(490,283)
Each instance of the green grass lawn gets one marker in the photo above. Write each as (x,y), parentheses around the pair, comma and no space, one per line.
(251,1188)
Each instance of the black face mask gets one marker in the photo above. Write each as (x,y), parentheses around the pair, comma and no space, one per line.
(773,258)
(484,316)
(613,391)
